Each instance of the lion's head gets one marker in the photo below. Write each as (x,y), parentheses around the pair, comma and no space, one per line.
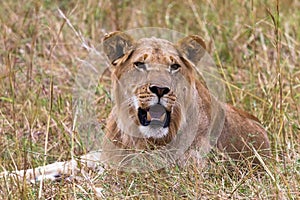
(154,85)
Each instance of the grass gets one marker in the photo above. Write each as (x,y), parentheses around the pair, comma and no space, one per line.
(255,42)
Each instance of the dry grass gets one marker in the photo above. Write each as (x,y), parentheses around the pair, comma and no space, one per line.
(256,43)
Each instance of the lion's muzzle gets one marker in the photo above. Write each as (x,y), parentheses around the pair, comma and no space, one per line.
(155,114)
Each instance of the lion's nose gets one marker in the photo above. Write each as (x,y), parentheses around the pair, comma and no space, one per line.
(159,91)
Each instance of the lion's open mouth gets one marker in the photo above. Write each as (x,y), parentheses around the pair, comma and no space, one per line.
(155,115)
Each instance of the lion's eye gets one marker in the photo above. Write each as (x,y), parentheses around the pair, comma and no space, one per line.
(174,67)
(140,65)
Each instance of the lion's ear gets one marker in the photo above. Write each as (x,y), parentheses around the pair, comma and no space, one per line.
(116,45)
(193,47)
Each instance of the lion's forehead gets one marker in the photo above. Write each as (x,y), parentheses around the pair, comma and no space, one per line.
(156,46)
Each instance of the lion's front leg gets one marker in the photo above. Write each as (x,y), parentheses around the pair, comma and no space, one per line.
(58,170)
(54,171)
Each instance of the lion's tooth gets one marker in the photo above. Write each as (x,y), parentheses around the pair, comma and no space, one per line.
(148,116)
(163,117)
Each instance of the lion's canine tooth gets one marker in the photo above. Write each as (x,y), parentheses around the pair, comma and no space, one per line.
(162,118)
(149,116)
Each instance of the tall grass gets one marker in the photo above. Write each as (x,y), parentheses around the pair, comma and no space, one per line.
(255,42)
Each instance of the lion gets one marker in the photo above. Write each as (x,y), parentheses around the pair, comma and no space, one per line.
(162,105)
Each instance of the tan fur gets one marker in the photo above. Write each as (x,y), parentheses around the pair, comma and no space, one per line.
(241,131)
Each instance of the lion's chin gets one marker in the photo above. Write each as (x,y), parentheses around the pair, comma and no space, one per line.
(154,131)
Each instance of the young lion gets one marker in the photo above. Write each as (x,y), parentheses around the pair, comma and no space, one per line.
(163,108)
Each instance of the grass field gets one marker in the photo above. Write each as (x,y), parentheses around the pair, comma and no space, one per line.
(256,43)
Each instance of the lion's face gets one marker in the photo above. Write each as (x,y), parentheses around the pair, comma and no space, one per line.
(153,84)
